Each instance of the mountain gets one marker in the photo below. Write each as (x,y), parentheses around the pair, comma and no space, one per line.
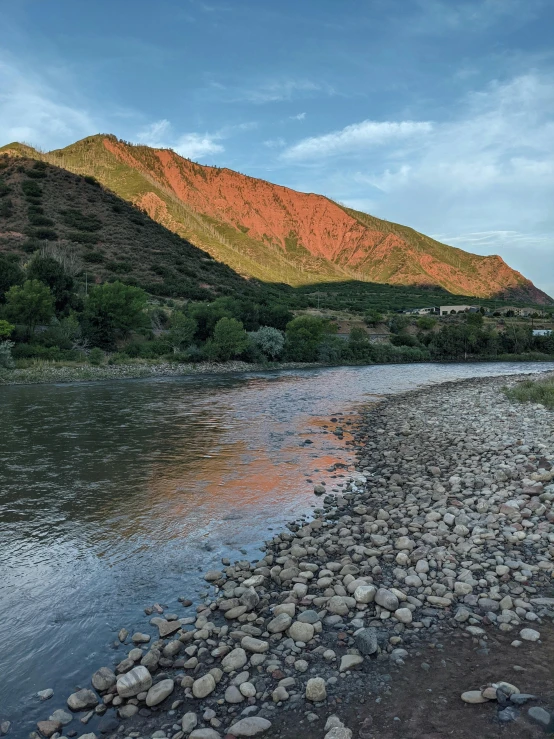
(278,235)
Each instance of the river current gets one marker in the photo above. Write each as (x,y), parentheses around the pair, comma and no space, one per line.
(118,495)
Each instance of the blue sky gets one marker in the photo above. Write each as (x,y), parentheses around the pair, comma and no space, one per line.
(438,114)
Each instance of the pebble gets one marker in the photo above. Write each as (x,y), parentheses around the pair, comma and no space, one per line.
(203,686)
(44,695)
(82,699)
(540,716)
(529,635)
(159,692)
(473,696)
(251,726)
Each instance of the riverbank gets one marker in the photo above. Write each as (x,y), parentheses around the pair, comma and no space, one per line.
(48,373)
(440,544)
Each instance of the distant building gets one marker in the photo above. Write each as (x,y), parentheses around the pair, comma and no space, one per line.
(446,310)
(420,311)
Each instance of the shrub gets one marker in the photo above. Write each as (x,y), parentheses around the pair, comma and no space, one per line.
(94,257)
(182,330)
(426,323)
(269,340)
(96,356)
(4,189)
(47,234)
(80,221)
(31,188)
(304,335)
(6,359)
(5,329)
(83,238)
(533,391)
(38,220)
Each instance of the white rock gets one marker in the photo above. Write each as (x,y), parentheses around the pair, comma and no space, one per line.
(203,686)
(250,726)
(159,692)
(348,661)
(138,680)
(473,696)
(189,722)
(316,690)
(365,593)
(404,615)
(529,635)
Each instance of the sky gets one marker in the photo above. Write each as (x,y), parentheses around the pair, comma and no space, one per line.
(437,114)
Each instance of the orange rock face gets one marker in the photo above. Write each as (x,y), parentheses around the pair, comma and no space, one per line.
(284,218)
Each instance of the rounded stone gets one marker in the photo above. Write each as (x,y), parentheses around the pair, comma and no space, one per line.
(103,679)
(189,722)
(280,623)
(316,690)
(404,615)
(250,726)
(234,660)
(386,599)
(529,635)
(203,686)
(301,632)
(82,699)
(159,692)
(473,696)
(365,593)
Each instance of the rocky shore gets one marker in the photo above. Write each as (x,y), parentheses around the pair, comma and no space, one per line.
(444,533)
(44,372)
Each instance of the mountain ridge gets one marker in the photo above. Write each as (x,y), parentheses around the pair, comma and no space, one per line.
(276,234)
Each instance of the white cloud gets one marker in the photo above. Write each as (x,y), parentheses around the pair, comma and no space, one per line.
(272,91)
(298,117)
(356,138)
(34,112)
(191,145)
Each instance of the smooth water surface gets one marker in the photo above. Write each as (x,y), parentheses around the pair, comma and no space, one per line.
(117,495)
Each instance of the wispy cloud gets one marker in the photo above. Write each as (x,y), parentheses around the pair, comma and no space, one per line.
(271,91)
(298,117)
(191,145)
(439,16)
(355,138)
(35,112)
(277,143)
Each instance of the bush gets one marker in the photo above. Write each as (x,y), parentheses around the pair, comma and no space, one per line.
(5,329)
(6,359)
(182,330)
(403,339)
(426,323)
(533,391)
(31,188)
(83,238)
(10,274)
(79,221)
(46,234)
(47,353)
(96,356)
(51,273)
(270,341)
(38,220)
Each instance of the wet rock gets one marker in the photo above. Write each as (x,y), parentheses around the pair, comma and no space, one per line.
(134,682)
(139,638)
(167,627)
(82,699)
(62,716)
(48,728)
(44,695)
(128,710)
(213,575)
(103,679)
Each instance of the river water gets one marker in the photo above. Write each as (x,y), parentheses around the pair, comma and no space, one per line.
(117,495)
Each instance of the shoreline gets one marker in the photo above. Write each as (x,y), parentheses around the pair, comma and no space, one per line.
(381,571)
(44,374)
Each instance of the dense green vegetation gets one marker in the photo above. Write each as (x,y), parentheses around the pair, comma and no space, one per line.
(533,391)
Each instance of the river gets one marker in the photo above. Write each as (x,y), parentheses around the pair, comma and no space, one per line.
(118,495)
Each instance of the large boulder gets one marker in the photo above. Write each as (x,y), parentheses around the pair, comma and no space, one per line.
(138,680)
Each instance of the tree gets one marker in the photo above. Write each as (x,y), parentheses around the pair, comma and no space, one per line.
(10,274)
(372,317)
(5,329)
(304,335)
(474,319)
(181,330)
(229,340)
(31,304)
(275,315)
(112,311)
(270,340)
(207,315)
(426,323)
(399,323)
(49,271)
